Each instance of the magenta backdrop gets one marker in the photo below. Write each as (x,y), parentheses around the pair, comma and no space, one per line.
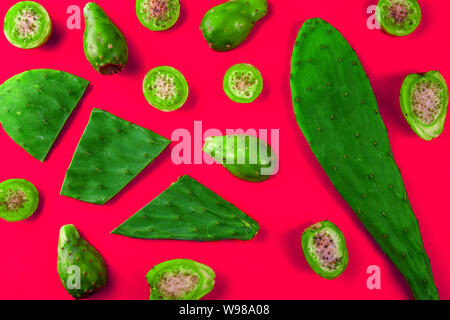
(271,266)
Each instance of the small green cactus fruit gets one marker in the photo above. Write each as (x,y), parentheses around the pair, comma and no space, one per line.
(158,15)
(180,279)
(18,199)
(243,83)
(324,247)
(424,101)
(227,25)
(398,17)
(27,25)
(80,266)
(165,88)
(244,156)
(104,45)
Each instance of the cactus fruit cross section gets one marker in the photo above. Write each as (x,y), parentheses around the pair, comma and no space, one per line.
(325,250)
(18,199)
(244,156)
(338,114)
(227,25)
(424,102)
(110,154)
(187,210)
(158,15)
(180,279)
(104,45)
(80,266)
(35,105)
(398,17)
(243,83)
(27,25)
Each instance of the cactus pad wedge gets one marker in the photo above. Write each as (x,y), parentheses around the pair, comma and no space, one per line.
(104,45)
(324,247)
(244,156)
(110,154)
(227,25)
(158,15)
(424,102)
(35,105)
(180,279)
(18,199)
(398,17)
(80,266)
(187,210)
(337,112)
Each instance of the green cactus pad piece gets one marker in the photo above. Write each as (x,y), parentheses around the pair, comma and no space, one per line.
(398,17)
(244,156)
(27,25)
(80,266)
(104,45)
(158,15)
(424,102)
(180,279)
(243,83)
(227,25)
(187,210)
(18,199)
(337,112)
(110,154)
(324,247)
(35,105)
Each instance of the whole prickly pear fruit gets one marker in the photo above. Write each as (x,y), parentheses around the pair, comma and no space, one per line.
(227,25)
(81,267)
(104,45)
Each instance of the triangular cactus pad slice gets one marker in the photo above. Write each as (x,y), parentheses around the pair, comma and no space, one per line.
(110,154)
(35,105)
(187,210)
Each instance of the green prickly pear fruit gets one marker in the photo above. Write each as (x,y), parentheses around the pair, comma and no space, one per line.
(104,45)
(81,267)
(227,25)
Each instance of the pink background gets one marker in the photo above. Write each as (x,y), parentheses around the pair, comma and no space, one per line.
(271,266)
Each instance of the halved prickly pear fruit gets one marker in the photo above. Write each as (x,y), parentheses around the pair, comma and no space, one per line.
(424,101)
(104,45)
(110,154)
(180,279)
(158,15)
(243,83)
(244,156)
(18,199)
(324,247)
(227,25)
(27,25)
(165,88)
(35,105)
(398,17)
(187,210)
(80,266)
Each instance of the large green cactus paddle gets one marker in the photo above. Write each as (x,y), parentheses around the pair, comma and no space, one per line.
(35,105)
(337,111)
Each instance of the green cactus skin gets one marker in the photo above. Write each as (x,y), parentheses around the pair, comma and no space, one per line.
(165,88)
(187,210)
(104,45)
(110,154)
(424,102)
(27,25)
(337,111)
(19,199)
(324,247)
(80,266)
(180,279)
(35,105)
(243,83)
(227,25)
(244,156)
(158,15)
(398,17)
